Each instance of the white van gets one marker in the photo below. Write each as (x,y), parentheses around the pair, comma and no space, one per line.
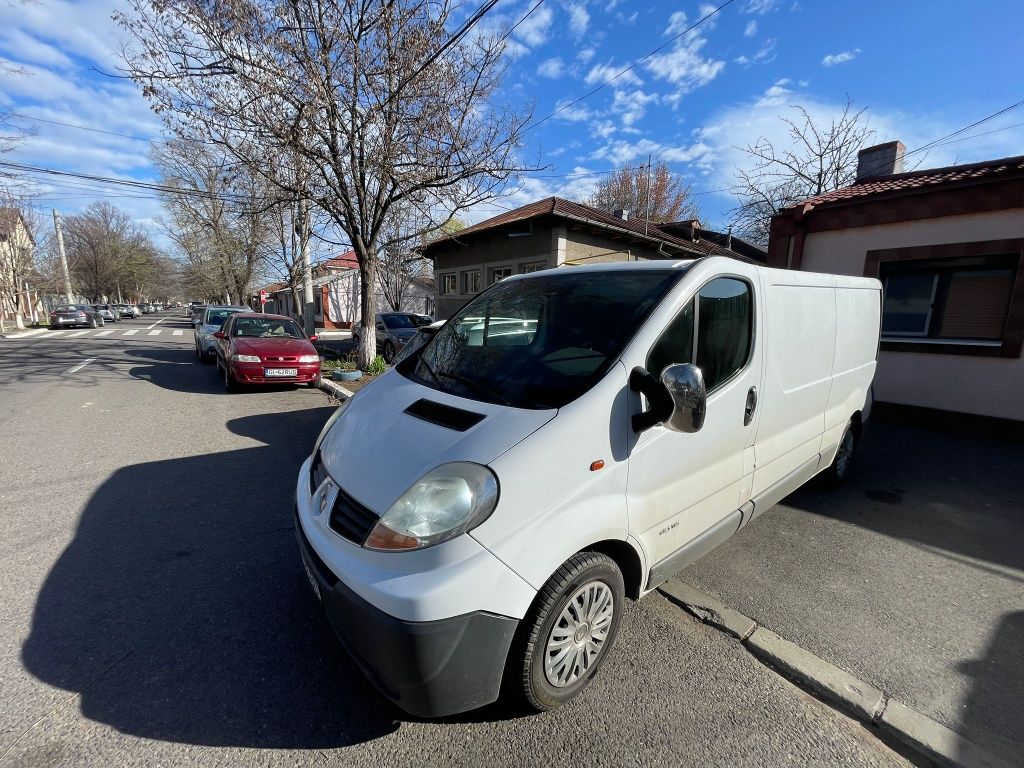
(480,513)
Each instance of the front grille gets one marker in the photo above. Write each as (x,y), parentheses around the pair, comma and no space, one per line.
(279,359)
(351,519)
(317,473)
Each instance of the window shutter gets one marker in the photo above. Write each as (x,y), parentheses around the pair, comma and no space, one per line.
(976,305)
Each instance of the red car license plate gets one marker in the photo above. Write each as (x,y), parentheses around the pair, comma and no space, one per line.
(282,372)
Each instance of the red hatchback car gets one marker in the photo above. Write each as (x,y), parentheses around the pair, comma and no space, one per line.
(255,348)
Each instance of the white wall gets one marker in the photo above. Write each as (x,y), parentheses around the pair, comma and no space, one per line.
(988,386)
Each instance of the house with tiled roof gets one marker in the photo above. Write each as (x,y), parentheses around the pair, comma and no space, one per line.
(554,233)
(948,246)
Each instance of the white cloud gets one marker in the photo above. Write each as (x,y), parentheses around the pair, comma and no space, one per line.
(534,31)
(632,105)
(553,68)
(602,73)
(585,54)
(760,7)
(578,20)
(683,66)
(573,114)
(751,29)
(840,58)
(676,23)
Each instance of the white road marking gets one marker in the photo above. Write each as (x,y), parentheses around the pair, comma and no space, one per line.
(77,333)
(131,333)
(55,334)
(154,325)
(177,332)
(156,332)
(104,333)
(80,366)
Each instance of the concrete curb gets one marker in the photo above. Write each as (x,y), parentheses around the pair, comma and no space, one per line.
(23,334)
(334,390)
(836,686)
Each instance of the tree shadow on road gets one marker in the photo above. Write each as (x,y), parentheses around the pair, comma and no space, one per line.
(180,610)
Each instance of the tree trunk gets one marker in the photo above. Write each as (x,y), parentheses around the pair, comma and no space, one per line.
(367,305)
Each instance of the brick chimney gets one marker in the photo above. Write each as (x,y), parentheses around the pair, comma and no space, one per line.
(622,213)
(880,160)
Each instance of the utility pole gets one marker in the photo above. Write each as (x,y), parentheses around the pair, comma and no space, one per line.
(63,257)
(308,314)
(647,218)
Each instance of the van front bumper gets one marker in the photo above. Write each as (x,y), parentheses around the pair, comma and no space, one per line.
(428,668)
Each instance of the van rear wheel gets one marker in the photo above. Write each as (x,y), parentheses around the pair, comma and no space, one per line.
(840,467)
(571,628)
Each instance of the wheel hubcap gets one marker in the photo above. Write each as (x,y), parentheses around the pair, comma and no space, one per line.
(844,453)
(579,635)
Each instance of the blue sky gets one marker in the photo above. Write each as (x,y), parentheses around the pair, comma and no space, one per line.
(922,70)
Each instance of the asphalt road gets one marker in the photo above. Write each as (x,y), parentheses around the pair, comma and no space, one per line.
(155,611)
(911,576)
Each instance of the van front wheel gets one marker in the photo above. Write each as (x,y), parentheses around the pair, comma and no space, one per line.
(571,629)
(840,467)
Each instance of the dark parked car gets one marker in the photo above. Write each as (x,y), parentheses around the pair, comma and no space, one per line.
(254,348)
(394,329)
(72,315)
(108,312)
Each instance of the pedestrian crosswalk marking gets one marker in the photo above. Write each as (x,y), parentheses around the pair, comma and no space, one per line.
(131,333)
(155,333)
(177,332)
(55,334)
(104,333)
(77,333)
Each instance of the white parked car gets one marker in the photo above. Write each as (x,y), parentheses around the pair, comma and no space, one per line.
(482,510)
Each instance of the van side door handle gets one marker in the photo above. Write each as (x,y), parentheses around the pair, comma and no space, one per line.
(748,412)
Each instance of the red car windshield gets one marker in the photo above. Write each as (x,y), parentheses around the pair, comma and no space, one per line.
(266,328)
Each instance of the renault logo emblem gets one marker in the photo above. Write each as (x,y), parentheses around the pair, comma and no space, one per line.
(325,491)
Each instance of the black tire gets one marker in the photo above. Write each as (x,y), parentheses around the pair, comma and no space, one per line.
(355,341)
(389,351)
(579,572)
(315,382)
(230,385)
(839,469)
(93,323)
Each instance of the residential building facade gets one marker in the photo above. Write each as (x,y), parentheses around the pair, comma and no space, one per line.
(553,233)
(948,246)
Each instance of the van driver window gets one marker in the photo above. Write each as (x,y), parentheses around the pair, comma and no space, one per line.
(724,320)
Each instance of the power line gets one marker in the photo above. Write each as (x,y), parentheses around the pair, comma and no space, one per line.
(632,66)
(966,128)
(23,116)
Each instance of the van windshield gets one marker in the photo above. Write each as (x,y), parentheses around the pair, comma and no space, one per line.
(542,341)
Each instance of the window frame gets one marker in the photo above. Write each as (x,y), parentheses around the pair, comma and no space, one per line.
(539,265)
(1012,250)
(492,270)
(696,327)
(455,285)
(464,274)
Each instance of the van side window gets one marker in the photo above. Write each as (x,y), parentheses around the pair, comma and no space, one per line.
(724,324)
(675,345)
(724,320)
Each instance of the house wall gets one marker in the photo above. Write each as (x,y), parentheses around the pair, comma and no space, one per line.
(988,386)
(585,248)
(487,252)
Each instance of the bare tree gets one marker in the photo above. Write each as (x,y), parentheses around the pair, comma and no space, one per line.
(109,255)
(819,158)
(648,192)
(19,224)
(221,220)
(360,91)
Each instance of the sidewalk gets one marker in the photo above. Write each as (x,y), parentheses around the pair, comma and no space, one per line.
(911,577)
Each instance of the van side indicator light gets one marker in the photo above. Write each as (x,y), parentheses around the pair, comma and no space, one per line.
(596,465)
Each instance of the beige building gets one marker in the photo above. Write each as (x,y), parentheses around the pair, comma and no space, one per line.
(19,304)
(558,233)
(948,246)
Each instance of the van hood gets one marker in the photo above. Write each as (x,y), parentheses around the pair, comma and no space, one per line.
(377,450)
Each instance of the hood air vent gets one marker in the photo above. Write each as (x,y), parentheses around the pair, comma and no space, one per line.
(444,415)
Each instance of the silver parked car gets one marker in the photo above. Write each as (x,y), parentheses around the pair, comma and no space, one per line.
(212,320)
(129,310)
(108,312)
(394,329)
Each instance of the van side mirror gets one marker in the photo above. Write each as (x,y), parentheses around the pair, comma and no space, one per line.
(677,398)
(685,385)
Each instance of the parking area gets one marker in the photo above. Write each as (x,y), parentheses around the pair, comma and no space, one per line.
(911,576)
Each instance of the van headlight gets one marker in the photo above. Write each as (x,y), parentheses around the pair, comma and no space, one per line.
(446,502)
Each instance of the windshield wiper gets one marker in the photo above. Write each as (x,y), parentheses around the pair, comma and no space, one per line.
(429,370)
(478,387)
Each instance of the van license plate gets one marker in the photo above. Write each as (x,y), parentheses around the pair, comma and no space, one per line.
(285,372)
(312,582)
